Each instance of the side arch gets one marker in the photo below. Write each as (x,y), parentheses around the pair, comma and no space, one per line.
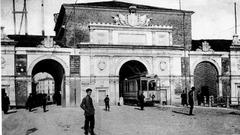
(193,67)
(60,61)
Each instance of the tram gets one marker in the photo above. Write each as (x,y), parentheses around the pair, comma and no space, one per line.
(133,86)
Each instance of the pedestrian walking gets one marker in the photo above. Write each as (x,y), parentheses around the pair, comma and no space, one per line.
(107,106)
(184,98)
(29,103)
(5,103)
(89,111)
(44,101)
(141,100)
(190,100)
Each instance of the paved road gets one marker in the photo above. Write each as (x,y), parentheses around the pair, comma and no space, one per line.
(124,120)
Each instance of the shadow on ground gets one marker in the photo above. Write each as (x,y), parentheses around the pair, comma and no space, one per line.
(11,111)
(181,113)
(29,131)
(138,109)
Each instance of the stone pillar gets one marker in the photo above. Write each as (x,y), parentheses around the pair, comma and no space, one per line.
(204,101)
(220,87)
(67,91)
(116,90)
(29,85)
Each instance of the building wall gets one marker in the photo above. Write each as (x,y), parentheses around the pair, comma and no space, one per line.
(105,78)
(235,74)
(7,71)
(84,16)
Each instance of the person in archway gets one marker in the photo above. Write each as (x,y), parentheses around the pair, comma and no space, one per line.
(199,97)
(5,103)
(141,100)
(58,98)
(29,103)
(44,101)
(106,101)
(89,111)
(190,100)
(184,98)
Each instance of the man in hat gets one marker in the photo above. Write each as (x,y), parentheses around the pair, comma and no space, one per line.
(89,111)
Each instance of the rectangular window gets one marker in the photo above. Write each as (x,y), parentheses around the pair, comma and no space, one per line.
(163,38)
(132,39)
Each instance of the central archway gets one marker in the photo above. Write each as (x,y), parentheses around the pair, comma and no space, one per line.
(56,70)
(206,80)
(130,69)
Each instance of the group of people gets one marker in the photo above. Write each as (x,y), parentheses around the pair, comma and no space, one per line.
(36,100)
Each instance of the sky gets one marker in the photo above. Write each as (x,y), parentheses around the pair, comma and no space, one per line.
(213,19)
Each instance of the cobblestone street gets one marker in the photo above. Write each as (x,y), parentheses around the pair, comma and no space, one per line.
(123,120)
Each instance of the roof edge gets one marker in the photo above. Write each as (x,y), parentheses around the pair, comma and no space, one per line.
(115,1)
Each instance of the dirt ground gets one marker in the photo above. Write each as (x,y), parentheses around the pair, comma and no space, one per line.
(124,120)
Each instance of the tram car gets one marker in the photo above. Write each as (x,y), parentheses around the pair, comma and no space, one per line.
(133,86)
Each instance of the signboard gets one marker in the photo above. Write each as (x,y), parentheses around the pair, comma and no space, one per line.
(74,64)
(21,65)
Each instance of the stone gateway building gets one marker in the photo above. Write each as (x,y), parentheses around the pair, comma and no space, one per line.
(120,49)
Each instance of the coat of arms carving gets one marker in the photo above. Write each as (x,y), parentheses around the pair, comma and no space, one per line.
(205,47)
(132,19)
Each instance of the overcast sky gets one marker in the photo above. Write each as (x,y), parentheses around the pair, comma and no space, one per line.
(213,19)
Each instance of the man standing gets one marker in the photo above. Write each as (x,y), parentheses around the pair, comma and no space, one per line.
(44,101)
(5,103)
(107,106)
(184,97)
(29,103)
(141,100)
(89,111)
(190,100)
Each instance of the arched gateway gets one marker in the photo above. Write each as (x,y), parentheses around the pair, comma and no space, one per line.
(56,68)
(129,86)
(206,79)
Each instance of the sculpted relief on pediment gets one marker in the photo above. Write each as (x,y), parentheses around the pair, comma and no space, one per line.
(132,19)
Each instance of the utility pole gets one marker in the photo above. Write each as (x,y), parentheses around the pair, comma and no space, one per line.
(42,5)
(14,17)
(23,13)
(180,5)
(235,14)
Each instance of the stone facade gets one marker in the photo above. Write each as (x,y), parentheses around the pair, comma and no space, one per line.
(96,42)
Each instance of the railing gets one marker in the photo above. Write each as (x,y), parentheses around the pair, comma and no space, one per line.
(221,101)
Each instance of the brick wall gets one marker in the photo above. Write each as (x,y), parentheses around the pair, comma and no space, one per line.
(85,16)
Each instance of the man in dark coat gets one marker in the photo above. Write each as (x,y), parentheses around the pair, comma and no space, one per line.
(141,100)
(29,103)
(184,98)
(190,100)
(5,103)
(89,111)
(107,106)
(44,101)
